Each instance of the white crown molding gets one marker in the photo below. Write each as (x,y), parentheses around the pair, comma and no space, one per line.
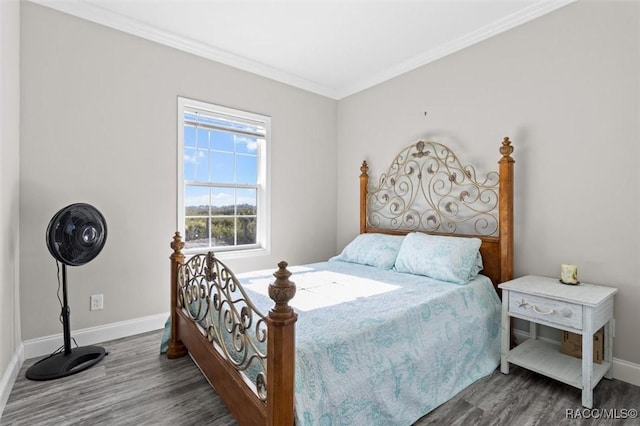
(98,15)
(524,15)
(93,13)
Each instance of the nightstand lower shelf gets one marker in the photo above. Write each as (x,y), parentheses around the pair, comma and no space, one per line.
(546,358)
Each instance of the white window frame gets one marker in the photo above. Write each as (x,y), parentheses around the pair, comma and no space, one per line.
(263,202)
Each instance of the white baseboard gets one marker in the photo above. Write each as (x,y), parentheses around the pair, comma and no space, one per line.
(10,375)
(89,336)
(622,370)
(626,371)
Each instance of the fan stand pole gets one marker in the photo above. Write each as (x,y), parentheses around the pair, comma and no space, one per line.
(72,360)
(66,327)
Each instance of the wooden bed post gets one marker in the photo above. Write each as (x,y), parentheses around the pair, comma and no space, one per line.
(364,181)
(281,350)
(506,211)
(176,347)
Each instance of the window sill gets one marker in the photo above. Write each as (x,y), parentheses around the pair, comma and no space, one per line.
(229,254)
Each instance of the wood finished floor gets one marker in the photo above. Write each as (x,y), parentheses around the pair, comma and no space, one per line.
(135,385)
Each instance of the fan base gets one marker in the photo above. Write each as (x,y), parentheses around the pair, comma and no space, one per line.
(62,365)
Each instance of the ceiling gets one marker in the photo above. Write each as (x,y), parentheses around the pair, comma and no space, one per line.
(330,47)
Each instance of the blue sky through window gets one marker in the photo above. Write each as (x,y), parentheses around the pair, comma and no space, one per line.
(216,156)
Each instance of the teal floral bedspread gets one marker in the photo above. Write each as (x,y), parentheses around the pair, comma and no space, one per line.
(390,357)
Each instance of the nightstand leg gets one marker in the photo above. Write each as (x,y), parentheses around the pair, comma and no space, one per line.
(587,360)
(506,334)
(608,348)
(533,330)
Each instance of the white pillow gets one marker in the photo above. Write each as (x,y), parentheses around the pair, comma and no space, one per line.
(452,259)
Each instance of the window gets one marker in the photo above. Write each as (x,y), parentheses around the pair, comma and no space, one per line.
(222,177)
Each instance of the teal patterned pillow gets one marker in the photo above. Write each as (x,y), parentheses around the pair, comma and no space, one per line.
(379,250)
(444,258)
(477,267)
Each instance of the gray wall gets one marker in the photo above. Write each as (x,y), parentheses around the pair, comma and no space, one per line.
(99,126)
(9,177)
(565,88)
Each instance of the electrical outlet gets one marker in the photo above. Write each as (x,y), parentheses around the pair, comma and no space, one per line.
(97,302)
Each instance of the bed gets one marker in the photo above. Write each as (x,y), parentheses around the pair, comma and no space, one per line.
(404,318)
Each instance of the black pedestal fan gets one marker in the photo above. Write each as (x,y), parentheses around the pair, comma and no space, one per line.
(75,236)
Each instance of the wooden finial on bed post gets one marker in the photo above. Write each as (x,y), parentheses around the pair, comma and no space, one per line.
(506,210)
(506,150)
(176,348)
(364,181)
(281,350)
(282,291)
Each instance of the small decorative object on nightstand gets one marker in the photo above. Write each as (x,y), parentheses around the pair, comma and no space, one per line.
(581,309)
(569,274)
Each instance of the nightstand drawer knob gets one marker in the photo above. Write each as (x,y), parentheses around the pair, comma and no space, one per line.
(535,309)
(566,312)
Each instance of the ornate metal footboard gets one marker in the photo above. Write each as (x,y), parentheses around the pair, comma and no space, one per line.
(247,356)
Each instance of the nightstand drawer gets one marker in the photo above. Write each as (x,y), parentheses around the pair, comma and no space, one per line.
(539,308)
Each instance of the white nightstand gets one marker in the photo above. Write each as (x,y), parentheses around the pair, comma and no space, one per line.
(581,309)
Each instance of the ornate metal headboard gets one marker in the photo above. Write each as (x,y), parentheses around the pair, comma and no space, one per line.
(428,189)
